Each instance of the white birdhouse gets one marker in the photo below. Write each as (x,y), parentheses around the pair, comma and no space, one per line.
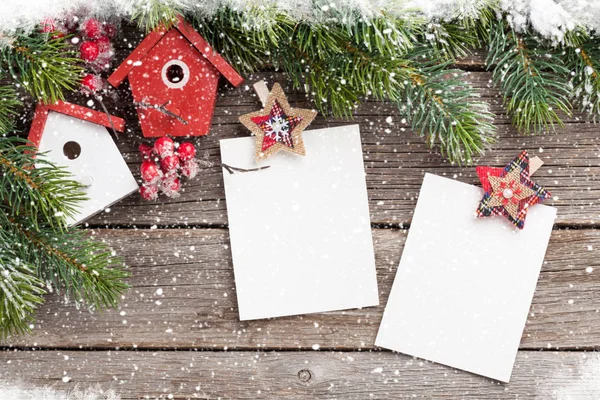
(76,137)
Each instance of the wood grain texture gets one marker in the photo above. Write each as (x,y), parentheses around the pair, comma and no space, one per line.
(299,375)
(183,296)
(395,161)
(181,312)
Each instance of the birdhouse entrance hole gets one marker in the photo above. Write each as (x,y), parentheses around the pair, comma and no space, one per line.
(175,74)
(71,150)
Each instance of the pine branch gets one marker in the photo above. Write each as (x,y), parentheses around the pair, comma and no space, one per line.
(46,68)
(9,104)
(446,110)
(343,61)
(449,41)
(338,72)
(149,14)
(464,30)
(585,80)
(248,40)
(531,76)
(37,247)
(44,193)
(20,289)
(83,268)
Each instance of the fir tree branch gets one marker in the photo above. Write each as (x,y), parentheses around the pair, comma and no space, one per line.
(43,66)
(446,110)
(20,289)
(37,247)
(83,268)
(149,14)
(531,77)
(44,194)
(340,64)
(585,80)
(9,104)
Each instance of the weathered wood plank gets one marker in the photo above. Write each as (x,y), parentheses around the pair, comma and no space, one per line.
(183,296)
(298,375)
(395,159)
(395,162)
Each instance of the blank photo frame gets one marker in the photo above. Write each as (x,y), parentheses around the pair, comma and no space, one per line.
(300,230)
(464,285)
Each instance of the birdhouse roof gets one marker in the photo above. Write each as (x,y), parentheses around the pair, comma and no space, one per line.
(72,110)
(190,34)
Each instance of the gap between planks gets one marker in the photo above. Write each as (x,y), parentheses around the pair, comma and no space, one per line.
(196,306)
(299,375)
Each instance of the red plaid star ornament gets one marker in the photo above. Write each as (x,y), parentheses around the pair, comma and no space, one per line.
(509,191)
(278,126)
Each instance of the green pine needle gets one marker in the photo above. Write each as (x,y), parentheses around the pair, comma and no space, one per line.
(44,194)
(585,80)
(532,79)
(20,289)
(37,249)
(46,68)
(9,104)
(447,111)
(150,14)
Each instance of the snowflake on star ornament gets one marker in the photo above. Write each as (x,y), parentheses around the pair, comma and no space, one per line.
(164,165)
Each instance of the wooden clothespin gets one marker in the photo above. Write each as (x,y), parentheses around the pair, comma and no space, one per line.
(534,164)
(262,91)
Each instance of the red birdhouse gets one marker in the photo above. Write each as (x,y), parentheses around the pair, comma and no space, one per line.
(173,76)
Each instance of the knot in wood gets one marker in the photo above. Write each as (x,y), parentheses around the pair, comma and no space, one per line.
(304,375)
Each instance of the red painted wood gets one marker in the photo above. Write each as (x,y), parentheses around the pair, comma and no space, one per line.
(73,110)
(87,114)
(37,125)
(136,56)
(215,58)
(194,101)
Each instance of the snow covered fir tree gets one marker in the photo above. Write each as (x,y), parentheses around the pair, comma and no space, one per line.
(543,55)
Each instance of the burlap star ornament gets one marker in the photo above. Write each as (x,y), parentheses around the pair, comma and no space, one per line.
(509,191)
(278,126)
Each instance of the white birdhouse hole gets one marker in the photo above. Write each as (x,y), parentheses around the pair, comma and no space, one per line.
(72,150)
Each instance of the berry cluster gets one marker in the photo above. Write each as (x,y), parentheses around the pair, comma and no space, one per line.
(93,39)
(164,164)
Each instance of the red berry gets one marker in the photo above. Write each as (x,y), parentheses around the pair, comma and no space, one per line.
(109,30)
(175,184)
(149,171)
(89,51)
(91,83)
(186,151)
(164,146)
(169,163)
(190,168)
(91,28)
(149,191)
(170,187)
(103,44)
(145,150)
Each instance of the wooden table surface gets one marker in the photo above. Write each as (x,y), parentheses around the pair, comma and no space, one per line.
(177,335)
